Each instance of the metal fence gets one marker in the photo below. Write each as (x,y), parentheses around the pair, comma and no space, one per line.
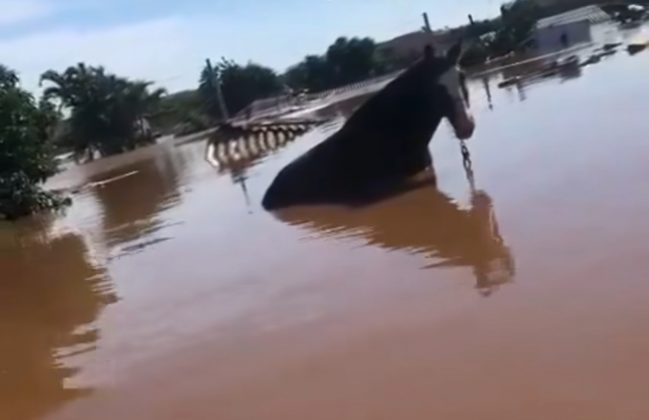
(279,105)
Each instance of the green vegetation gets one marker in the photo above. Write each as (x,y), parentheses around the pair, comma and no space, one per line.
(500,36)
(197,110)
(107,113)
(346,61)
(510,31)
(517,23)
(26,155)
(180,113)
(241,85)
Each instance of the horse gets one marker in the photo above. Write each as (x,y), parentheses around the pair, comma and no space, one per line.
(385,141)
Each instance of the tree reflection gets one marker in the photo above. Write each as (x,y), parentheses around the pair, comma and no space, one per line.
(523,76)
(486,84)
(422,221)
(131,206)
(50,294)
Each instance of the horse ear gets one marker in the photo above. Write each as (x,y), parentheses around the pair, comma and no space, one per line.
(453,55)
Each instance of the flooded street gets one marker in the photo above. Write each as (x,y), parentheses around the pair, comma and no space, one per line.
(171,294)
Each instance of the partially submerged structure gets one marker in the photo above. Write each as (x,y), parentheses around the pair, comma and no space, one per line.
(565,30)
(406,49)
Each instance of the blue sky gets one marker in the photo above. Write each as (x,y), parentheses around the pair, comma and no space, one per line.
(167,40)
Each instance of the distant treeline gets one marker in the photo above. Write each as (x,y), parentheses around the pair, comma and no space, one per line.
(347,60)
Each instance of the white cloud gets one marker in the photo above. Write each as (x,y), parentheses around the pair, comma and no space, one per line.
(20,11)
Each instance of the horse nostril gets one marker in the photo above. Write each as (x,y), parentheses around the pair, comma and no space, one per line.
(464,127)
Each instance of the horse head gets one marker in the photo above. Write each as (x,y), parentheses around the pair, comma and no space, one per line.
(455,94)
(385,141)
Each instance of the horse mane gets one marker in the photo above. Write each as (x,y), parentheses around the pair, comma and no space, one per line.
(399,97)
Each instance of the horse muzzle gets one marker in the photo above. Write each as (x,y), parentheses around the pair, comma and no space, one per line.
(463,123)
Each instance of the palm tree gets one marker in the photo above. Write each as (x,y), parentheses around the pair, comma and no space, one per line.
(139,101)
(107,112)
(8,77)
(208,91)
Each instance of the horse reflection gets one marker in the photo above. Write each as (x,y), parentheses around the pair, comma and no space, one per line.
(422,221)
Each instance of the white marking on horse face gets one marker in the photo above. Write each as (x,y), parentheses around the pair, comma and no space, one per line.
(451,81)
(461,120)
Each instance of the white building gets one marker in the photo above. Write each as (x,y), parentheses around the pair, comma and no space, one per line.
(556,37)
(566,29)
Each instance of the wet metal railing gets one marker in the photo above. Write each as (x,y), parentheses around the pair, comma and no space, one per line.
(243,145)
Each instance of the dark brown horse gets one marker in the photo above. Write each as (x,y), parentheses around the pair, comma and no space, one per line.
(385,141)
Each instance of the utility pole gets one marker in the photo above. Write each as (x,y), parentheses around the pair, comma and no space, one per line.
(216,81)
(427,23)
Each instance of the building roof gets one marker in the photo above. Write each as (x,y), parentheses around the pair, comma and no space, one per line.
(416,41)
(593,14)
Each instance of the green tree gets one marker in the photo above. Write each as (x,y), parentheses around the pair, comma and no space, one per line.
(8,77)
(208,92)
(346,61)
(26,155)
(517,23)
(180,113)
(502,35)
(352,60)
(241,85)
(315,73)
(107,113)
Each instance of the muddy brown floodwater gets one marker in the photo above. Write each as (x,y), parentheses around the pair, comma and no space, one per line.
(170,294)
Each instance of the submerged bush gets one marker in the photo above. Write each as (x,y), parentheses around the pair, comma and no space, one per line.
(26,155)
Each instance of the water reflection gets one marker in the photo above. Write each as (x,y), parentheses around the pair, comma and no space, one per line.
(486,84)
(50,294)
(235,155)
(131,206)
(422,221)
(570,72)
(522,80)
